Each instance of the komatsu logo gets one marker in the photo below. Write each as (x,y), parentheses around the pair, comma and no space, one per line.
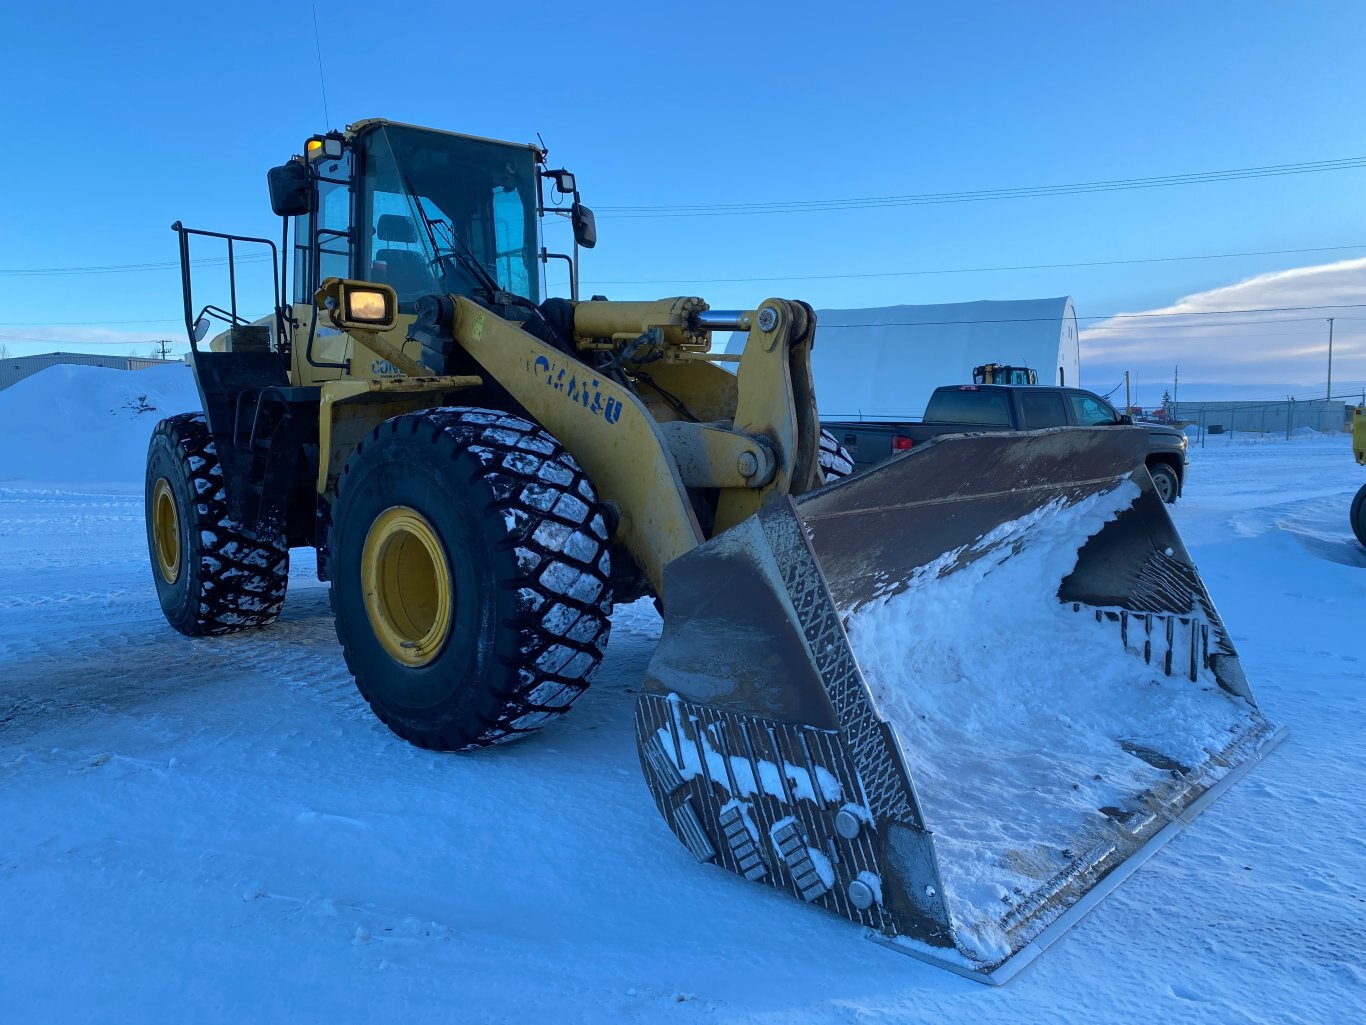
(585,390)
(383,368)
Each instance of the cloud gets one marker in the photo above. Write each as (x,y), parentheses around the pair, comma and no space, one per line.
(1279,353)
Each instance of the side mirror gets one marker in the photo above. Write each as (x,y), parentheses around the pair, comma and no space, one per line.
(585,228)
(201,328)
(1125,418)
(358,305)
(291,192)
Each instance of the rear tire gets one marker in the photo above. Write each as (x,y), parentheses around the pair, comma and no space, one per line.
(210,576)
(1165,480)
(1359,515)
(835,460)
(470,576)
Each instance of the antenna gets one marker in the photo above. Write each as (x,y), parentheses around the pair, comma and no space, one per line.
(322,82)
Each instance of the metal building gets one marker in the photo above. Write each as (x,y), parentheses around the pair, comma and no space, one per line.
(16,368)
(1283,417)
(883,363)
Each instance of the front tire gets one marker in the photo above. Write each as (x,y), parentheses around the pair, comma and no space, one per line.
(470,576)
(211,577)
(1165,480)
(835,460)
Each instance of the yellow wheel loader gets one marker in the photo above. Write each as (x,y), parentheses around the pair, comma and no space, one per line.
(952,699)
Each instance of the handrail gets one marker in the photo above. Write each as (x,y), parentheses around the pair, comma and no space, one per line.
(187,291)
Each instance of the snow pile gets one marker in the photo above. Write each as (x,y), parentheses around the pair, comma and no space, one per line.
(1015,712)
(88,425)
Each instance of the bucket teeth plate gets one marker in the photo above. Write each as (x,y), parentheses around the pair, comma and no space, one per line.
(769,754)
(765,795)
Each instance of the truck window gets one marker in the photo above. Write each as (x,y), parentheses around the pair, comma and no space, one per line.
(968,406)
(1091,410)
(1041,409)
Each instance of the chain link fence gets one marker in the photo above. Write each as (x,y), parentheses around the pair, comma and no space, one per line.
(1282,419)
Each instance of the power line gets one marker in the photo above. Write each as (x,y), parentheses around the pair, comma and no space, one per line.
(1120,316)
(84,341)
(219,261)
(1225,313)
(981,195)
(1225,324)
(978,270)
(125,268)
(86,323)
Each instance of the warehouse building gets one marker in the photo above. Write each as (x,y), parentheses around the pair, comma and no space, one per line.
(883,362)
(16,368)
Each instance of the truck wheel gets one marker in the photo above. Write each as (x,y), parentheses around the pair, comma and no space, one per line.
(834,458)
(1165,480)
(211,577)
(1359,515)
(470,576)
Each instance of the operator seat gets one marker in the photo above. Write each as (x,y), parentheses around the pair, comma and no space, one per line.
(403,270)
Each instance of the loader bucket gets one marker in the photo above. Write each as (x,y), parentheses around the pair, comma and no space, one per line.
(954,699)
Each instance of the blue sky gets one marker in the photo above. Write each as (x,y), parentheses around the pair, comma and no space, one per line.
(126,117)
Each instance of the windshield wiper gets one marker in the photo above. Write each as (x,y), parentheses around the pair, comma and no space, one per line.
(457,247)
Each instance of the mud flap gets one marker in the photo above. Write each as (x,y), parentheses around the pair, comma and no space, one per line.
(952,699)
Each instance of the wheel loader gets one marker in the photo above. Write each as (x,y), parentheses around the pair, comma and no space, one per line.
(953,699)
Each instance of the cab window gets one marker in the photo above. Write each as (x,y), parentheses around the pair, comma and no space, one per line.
(968,405)
(510,240)
(1041,409)
(1090,410)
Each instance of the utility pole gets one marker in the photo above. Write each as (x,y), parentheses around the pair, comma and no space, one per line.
(1127,403)
(1176,388)
(164,346)
(1329,396)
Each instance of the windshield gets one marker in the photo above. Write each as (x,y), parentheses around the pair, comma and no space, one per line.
(445,214)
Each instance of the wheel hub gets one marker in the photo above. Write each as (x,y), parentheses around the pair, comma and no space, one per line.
(406,580)
(166,531)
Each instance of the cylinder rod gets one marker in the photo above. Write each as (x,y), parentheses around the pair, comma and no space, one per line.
(723,320)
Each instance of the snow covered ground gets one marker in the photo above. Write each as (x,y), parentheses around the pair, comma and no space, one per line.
(218,830)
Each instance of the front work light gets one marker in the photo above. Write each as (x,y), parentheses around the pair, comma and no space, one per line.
(326,146)
(358,305)
(369,305)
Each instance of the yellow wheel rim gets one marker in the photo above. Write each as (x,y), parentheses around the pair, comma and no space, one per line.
(166,531)
(407,583)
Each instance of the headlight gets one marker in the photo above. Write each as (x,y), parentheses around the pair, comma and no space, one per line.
(368,305)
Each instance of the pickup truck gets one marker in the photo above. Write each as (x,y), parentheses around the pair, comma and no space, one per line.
(977,408)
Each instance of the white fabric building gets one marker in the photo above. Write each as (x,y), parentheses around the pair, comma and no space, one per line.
(883,363)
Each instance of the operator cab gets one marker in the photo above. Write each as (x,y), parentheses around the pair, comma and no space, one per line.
(423,211)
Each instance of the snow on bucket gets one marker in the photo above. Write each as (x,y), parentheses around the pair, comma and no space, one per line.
(948,698)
